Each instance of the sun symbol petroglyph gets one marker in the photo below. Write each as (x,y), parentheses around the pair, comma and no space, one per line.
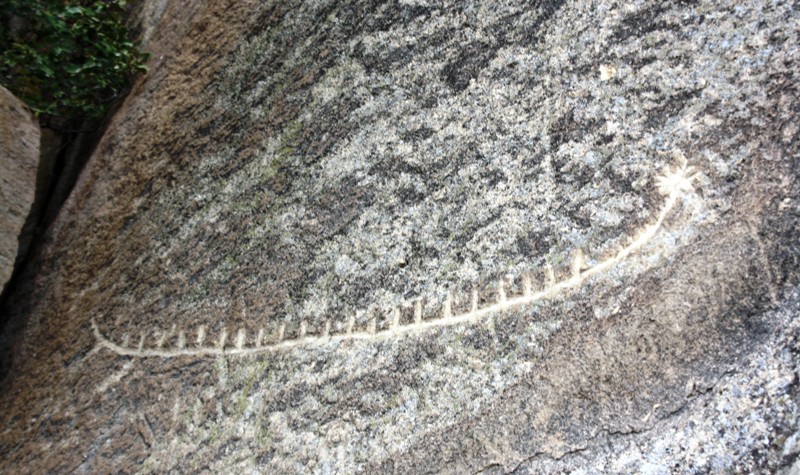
(675,183)
(677,180)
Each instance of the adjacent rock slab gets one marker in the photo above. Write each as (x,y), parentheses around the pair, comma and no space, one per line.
(19,160)
(428,237)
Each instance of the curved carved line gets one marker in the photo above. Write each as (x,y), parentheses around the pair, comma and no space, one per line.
(673,185)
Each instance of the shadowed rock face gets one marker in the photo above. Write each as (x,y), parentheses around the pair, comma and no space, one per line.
(19,159)
(406,237)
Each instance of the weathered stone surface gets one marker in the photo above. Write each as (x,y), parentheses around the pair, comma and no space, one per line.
(19,158)
(406,237)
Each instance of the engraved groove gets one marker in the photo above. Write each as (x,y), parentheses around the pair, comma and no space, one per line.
(428,313)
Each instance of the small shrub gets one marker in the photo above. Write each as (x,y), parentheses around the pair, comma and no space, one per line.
(67,58)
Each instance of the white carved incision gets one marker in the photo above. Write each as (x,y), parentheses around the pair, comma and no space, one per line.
(674,184)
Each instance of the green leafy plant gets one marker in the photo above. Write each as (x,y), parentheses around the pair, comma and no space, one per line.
(67,58)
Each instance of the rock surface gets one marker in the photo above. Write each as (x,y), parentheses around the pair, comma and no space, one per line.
(19,160)
(424,237)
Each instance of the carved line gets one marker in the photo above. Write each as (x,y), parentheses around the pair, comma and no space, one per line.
(675,183)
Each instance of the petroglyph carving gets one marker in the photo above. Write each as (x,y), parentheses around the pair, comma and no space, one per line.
(675,183)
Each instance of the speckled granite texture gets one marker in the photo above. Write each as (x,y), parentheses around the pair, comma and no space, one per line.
(320,171)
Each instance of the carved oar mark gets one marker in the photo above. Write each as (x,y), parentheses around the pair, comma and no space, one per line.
(201,336)
(551,275)
(240,338)
(501,291)
(527,287)
(672,185)
(396,317)
(447,311)
(223,338)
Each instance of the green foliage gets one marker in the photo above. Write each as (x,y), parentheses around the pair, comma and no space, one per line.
(67,58)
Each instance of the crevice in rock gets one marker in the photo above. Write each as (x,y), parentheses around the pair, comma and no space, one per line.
(64,150)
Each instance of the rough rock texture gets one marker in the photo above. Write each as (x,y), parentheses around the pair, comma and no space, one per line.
(19,159)
(423,237)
